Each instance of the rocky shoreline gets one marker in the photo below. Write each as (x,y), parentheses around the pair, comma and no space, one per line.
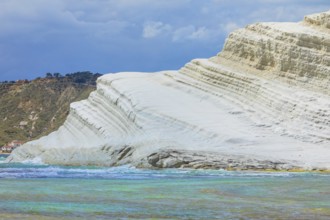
(205,160)
(163,159)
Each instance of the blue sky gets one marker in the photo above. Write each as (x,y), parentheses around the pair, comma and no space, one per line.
(39,36)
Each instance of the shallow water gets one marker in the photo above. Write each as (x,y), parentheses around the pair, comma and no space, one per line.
(53,192)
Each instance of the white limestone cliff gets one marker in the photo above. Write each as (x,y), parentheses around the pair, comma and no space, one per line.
(262,103)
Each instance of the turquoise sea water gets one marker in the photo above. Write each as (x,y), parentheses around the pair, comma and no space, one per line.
(30,191)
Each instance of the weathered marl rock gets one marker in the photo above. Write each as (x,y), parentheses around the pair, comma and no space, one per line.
(262,103)
(210,160)
(321,19)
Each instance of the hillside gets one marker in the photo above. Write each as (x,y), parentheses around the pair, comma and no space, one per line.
(31,109)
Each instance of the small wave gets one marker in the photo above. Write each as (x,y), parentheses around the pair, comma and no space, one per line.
(40,170)
(36,161)
(37,170)
(3,157)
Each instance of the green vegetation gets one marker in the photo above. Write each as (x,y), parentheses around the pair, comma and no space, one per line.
(30,109)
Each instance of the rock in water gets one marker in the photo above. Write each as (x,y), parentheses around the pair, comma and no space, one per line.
(262,103)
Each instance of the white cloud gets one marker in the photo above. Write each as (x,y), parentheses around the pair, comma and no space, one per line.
(152,29)
(190,32)
(230,26)
(199,33)
(182,33)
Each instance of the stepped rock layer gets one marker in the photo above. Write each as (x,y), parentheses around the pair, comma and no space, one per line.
(262,103)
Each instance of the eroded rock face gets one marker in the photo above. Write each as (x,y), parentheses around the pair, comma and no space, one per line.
(262,103)
(321,19)
(205,160)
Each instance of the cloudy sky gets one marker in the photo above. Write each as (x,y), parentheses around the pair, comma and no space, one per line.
(39,36)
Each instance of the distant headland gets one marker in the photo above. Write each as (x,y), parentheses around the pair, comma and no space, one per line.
(33,108)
